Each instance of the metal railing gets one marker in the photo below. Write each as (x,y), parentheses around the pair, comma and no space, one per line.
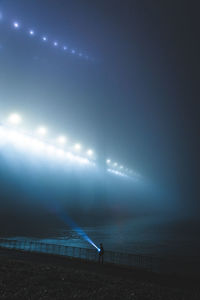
(139,261)
(154,264)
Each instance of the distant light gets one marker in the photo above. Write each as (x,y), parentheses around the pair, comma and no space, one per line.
(31,32)
(16,25)
(116,173)
(121,167)
(65,47)
(80,54)
(15,119)
(44,38)
(42,130)
(55,44)
(115,164)
(77,147)
(73,51)
(62,139)
(89,152)
(108,161)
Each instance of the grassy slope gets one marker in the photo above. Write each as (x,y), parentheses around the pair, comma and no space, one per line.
(40,276)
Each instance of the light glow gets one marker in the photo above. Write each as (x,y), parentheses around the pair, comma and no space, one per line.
(55,43)
(15,119)
(117,173)
(41,130)
(23,141)
(77,147)
(90,152)
(62,139)
(16,25)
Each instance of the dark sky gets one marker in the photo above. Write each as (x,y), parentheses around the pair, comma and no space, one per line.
(136,102)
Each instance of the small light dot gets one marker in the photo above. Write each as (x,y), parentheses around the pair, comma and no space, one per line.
(16,25)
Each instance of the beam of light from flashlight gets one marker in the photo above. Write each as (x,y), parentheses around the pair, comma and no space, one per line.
(77,229)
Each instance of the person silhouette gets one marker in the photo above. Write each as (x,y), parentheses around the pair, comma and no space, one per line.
(101,253)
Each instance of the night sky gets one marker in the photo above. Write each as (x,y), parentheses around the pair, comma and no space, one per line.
(135,99)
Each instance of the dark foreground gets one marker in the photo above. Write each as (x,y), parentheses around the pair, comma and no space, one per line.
(41,276)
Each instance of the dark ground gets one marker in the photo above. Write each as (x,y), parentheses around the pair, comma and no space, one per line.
(26,275)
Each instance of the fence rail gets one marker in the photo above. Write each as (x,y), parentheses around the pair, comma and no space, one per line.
(139,261)
(189,268)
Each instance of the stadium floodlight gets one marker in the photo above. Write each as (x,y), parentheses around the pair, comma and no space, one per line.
(90,152)
(31,32)
(41,130)
(61,139)
(55,44)
(15,119)
(77,147)
(44,38)
(16,24)
(108,161)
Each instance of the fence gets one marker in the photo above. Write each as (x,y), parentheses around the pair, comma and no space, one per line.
(139,261)
(189,268)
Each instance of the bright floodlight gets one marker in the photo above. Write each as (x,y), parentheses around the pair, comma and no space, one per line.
(15,119)
(31,32)
(55,44)
(62,139)
(16,25)
(89,152)
(77,147)
(44,38)
(41,130)
(108,161)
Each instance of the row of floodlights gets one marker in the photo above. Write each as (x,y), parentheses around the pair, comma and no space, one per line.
(120,169)
(112,167)
(55,43)
(16,119)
